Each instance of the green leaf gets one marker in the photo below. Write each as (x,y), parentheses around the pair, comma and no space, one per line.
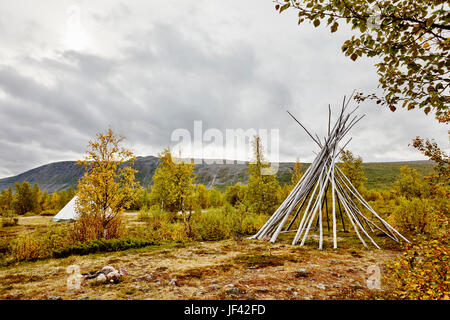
(285,6)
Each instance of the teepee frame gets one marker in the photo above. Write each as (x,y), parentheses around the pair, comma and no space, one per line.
(323,174)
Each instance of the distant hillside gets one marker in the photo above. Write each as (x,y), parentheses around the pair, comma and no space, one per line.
(62,175)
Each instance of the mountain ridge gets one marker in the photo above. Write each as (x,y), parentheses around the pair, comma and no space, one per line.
(61,175)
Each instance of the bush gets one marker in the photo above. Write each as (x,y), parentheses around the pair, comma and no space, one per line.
(210,225)
(417,216)
(422,272)
(49,212)
(9,219)
(36,245)
(27,247)
(156,216)
(160,226)
(372,195)
(227,222)
(90,227)
(104,245)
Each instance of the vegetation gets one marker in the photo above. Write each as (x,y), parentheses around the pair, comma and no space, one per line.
(107,188)
(263,190)
(175,211)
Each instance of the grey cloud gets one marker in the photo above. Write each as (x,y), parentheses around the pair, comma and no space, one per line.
(164,75)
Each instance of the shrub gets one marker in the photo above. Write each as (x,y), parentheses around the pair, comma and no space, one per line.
(89,227)
(416,216)
(36,245)
(160,226)
(210,225)
(49,212)
(26,247)
(227,222)
(9,219)
(422,272)
(372,195)
(103,245)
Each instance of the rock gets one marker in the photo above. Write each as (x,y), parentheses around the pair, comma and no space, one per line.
(214,281)
(230,285)
(158,283)
(101,277)
(137,287)
(301,273)
(147,278)
(54,298)
(108,269)
(215,287)
(83,298)
(321,287)
(235,291)
(123,272)
(199,293)
(334,262)
(173,282)
(113,275)
(290,289)
(295,293)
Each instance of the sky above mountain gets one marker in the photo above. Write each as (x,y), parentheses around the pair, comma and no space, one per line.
(69,69)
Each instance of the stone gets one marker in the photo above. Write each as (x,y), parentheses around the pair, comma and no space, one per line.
(230,285)
(334,262)
(113,275)
(146,278)
(101,278)
(199,293)
(173,282)
(158,283)
(123,272)
(83,298)
(321,287)
(301,273)
(54,298)
(108,269)
(235,291)
(214,281)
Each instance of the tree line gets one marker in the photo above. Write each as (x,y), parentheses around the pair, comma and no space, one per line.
(26,198)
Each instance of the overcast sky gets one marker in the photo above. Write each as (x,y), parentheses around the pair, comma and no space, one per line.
(146,68)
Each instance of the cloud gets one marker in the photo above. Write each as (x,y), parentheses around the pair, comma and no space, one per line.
(152,68)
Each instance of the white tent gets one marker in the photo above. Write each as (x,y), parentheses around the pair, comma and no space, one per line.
(67,213)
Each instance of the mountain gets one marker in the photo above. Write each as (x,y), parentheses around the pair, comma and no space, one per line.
(62,175)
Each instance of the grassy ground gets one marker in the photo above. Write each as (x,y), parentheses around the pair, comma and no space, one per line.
(205,270)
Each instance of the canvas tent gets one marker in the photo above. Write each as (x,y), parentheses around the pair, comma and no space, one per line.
(67,213)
